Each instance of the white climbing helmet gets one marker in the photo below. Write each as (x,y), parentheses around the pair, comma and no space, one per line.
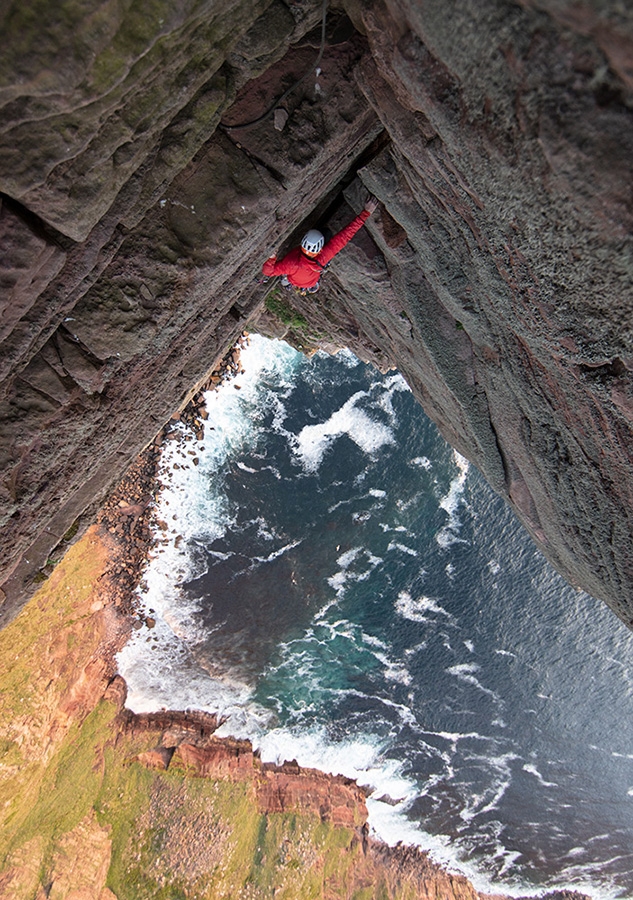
(313,241)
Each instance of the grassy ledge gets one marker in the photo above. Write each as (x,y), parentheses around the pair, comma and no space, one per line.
(81,816)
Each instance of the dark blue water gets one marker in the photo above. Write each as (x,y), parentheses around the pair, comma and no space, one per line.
(364,602)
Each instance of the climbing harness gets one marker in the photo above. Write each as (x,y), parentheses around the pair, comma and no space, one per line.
(280,100)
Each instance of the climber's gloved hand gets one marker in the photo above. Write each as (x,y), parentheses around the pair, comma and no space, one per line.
(371,205)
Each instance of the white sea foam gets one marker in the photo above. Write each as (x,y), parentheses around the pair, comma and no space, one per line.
(418,610)
(449,534)
(346,502)
(394,670)
(346,559)
(217,554)
(387,388)
(275,554)
(161,673)
(422,461)
(367,433)
(464,672)
(347,358)
(463,669)
(374,641)
(341,579)
(489,798)
(507,858)
(264,530)
(396,545)
(453,737)
(411,651)
(400,529)
(528,767)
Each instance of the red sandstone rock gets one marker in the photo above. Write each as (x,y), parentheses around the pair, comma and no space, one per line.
(334,798)
(116,692)
(158,758)
(217,758)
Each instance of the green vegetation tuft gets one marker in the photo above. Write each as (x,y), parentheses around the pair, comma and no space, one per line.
(279,306)
(68,786)
(10,753)
(72,531)
(300,336)
(26,643)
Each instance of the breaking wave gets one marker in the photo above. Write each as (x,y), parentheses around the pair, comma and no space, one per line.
(345,590)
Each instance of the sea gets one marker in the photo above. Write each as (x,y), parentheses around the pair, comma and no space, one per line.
(345,589)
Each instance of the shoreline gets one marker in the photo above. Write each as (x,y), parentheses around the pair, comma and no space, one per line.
(126,520)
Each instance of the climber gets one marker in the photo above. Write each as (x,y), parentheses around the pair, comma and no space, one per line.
(303,266)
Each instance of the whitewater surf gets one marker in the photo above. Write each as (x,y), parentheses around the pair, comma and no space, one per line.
(345,590)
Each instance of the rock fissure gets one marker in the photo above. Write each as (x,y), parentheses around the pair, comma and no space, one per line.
(279,178)
(497,274)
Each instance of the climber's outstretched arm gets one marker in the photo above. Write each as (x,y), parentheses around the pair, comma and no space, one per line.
(336,244)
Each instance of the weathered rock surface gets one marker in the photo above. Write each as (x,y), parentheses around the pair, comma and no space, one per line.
(278,788)
(497,275)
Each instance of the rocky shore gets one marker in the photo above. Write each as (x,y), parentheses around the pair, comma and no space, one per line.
(99,803)
(134,219)
(183,743)
(126,516)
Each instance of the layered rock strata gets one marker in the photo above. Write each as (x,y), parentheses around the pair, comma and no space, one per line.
(497,276)
(188,745)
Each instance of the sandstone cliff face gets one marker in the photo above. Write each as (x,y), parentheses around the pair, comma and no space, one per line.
(496,276)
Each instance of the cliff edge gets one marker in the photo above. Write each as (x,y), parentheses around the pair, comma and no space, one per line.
(97,803)
(497,276)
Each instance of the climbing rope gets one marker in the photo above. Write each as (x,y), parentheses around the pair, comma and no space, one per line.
(280,100)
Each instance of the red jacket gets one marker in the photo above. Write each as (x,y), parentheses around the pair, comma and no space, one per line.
(305,271)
